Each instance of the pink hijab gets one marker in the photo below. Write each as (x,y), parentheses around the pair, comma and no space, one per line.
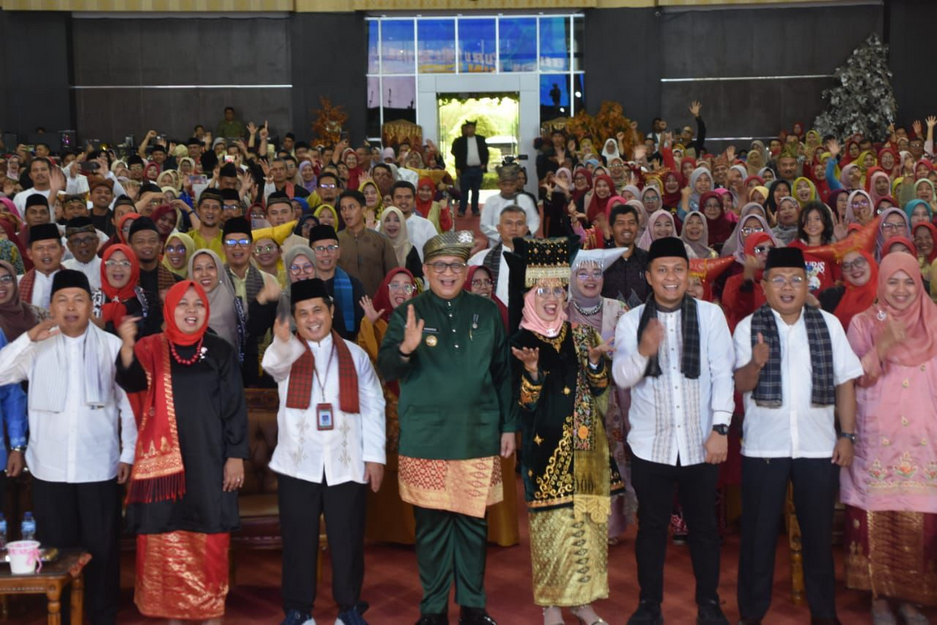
(919,319)
(532,321)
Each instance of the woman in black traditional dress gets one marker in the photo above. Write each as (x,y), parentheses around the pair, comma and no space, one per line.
(182,502)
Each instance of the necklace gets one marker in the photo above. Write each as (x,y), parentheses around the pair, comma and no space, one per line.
(187,361)
(588,312)
(557,341)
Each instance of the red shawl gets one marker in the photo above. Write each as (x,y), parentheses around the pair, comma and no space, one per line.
(576,193)
(114,310)
(597,205)
(158,472)
(302,374)
(858,298)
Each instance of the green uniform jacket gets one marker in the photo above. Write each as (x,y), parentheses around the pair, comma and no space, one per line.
(455,389)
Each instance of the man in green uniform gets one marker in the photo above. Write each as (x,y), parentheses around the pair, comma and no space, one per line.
(448,350)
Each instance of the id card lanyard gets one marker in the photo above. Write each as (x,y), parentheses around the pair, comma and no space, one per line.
(324,413)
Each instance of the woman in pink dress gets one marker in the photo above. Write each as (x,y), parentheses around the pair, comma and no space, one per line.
(891,488)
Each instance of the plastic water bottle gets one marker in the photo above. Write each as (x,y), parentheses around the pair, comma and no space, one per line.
(3,532)
(28,527)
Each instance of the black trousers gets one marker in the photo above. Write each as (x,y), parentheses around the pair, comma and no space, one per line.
(654,485)
(85,516)
(764,488)
(301,503)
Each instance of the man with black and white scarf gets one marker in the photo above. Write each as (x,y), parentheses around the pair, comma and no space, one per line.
(675,354)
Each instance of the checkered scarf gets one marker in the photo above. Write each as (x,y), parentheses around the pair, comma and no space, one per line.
(302,374)
(768,392)
(690,360)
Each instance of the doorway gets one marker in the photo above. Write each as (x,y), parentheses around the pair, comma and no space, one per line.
(498,120)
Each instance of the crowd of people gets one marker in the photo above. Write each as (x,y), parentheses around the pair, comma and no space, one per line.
(655,328)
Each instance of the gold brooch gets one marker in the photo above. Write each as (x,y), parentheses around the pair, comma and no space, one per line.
(583,432)
(537,439)
(431,340)
(566,390)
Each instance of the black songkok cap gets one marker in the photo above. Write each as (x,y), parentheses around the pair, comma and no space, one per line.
(141,223)
(307,289)
(278,197)
(44,232)
(228,170)
(230,195)
(70,279)
(667,247)
(785,257)
(322,233)
(125,200)
(237,225)
(36,199)
(77,225)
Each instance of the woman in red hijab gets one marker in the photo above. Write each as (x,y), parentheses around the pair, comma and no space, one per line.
(859,288)
(478,280)
(182,500)
(671,195)
(595,202)
(719,226)
(743,293)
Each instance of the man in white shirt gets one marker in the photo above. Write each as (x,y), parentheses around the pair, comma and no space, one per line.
(82,241)
(419,229)
(330,446)
(82,435)
(45,251)
(512,224)
(491,212)
(796,372)
(675,354)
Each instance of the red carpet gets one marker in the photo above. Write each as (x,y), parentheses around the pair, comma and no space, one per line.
(392,587)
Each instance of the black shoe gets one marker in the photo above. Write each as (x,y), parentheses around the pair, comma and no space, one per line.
(710,614)
(460,214)
(475,616)
(475,213)
(749,621)
(824,621)
(647,614)
(295,617)
(433,619)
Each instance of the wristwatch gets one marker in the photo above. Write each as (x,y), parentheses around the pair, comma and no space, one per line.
(721,429)
(851,436)
(19,448)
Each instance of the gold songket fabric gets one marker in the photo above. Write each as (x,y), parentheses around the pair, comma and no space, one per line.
(569,557)
(461,486)
(182,575)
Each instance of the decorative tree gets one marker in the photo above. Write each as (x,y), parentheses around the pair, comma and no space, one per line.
(864,101)
(606,125)
(328,123)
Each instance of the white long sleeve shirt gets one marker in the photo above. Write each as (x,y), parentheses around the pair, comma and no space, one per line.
(80,444)
(491,215)
(671,416)
(420,230)
(337,455)
(42,289)
(796,429)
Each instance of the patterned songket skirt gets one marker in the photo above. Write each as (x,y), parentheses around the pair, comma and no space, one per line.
(182,575)
(569,558)
(892,554)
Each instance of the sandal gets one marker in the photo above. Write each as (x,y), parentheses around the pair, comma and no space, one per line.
(911,615)
(577,612)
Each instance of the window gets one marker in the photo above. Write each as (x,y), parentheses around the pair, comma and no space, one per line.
(436,45)
(518,44)
(478,49)
(397,56)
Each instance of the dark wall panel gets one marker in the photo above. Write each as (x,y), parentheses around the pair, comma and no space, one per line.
(35,52)
(200,52)
(757,42)
(910,39)
(622,60)
(330,58)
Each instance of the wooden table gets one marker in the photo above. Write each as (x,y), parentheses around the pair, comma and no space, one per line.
(66,569)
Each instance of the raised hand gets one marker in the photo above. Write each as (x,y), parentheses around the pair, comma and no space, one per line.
(931,121)
(833,147)
(529,356)
(893,334)
(151,134)
(252,128)
(269,293)
(281,330)
(127,330)
(651,338)
(916,126)
(640,151)
(265,131)
(368,307)
(412,332)
(760,352)
(597,351)
(44,330)
(695,107)
(730,154)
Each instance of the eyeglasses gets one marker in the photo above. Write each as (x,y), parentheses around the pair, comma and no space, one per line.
(82,241)
(860,202)
(176,249)
(266,249)
(406,288)
(322,249)
(231,207)
(6,279)
(763,249)
(136,168)
(328,186)
(298,269)
(585,275)
(118,263)
(441,267)
(859,263)
(556,291)
(748,231)
(779,282)
(481,282)
(237,242)
(891,226)
(711,205)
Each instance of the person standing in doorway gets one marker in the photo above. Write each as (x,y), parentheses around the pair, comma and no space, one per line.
(471,163)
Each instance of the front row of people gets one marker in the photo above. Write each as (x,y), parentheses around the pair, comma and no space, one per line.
(167,416)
